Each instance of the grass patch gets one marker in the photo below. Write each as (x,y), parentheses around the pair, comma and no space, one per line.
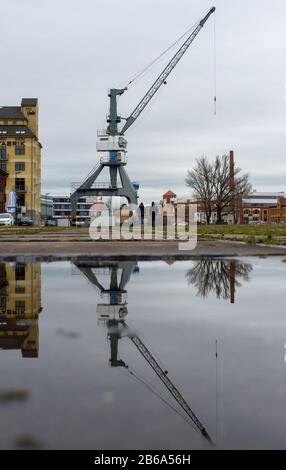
(248,230)
(15,230)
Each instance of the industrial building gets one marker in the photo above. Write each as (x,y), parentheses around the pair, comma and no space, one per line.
(62,210)
(20,157)
(264,207)
(47,205)
(20,306)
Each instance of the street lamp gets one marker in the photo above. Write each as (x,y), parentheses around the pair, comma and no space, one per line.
(46,195)
(17,172)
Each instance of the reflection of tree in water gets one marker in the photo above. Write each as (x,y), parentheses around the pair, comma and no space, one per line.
(218,276)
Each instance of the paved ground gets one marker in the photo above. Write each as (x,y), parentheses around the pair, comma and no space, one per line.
(64,248)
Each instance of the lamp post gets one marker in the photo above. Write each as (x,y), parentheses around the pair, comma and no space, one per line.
(17,172)
(46,195)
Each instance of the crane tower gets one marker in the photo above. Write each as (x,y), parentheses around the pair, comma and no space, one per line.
(111,144)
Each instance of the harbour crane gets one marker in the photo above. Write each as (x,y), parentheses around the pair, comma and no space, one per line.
(112,310)
(120,328)
(112,145)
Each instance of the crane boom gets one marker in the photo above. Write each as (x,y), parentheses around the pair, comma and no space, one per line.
(166,72)
(167,382)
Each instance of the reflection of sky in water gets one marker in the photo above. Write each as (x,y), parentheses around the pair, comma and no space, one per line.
(77,401)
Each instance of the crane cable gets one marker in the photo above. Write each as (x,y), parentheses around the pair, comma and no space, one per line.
(160,56)
(146,111)
(151,389)
(215,67)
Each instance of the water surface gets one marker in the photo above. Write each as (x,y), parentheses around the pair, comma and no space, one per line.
(72,375)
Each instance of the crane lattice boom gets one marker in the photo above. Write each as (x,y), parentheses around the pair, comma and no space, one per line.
(167,382)
(166,72)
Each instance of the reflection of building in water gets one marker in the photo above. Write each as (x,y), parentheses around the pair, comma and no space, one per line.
(218,276)
(20,305)
(112,311)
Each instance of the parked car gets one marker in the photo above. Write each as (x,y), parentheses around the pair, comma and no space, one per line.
(6,219)
(24,220)
(51,223)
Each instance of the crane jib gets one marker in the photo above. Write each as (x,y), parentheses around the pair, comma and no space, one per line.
(166,72)
(167,382)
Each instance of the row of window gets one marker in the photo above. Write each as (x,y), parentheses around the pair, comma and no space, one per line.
(18,151)
(68,206)
(16,132)
(19,166)
(67,200)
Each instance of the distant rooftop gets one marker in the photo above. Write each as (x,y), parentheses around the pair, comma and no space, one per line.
(15,130)
(29,102)
(11,112)
(266,194)
(169,194)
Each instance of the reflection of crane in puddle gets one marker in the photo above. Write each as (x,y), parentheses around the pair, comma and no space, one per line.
(113,313)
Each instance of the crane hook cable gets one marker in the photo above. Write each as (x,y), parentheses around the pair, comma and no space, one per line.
(160,56)
(137,378)
(215,67)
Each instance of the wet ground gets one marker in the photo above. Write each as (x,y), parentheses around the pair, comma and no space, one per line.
(62,249)
(95,352)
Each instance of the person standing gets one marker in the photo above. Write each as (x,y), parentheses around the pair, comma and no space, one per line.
(141,212)
(154,212)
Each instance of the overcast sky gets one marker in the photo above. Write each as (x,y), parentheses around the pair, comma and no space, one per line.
(68,53)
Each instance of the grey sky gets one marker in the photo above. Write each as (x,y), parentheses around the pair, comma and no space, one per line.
(68,53)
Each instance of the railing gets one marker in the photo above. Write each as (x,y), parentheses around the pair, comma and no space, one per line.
(113,160)
(101,133)
(102,186)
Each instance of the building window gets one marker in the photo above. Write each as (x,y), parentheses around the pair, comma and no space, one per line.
(3,166)
(20,184)
(20,290)
(19,150)
(3,154)
(21,200)
(20,305)
(19,166)
(3,302)
(20,272)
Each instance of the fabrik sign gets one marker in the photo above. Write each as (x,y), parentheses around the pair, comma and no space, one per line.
(10,143)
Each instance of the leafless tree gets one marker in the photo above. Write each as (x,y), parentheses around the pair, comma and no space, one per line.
(218,276)
(200,180)
(216,188)
(229,188)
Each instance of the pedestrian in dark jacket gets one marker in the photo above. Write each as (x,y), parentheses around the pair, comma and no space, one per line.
(141,212)
(154,212)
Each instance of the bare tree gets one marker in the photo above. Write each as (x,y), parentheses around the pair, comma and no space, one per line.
(217,276)
(200,180)
(229,188)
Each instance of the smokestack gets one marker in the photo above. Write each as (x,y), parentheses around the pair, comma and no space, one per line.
(232,183)
(232,282)
(231,167)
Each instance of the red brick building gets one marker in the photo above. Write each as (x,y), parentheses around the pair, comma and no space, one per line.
(277,214)
(3,176)
(169,197)
(269,208)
